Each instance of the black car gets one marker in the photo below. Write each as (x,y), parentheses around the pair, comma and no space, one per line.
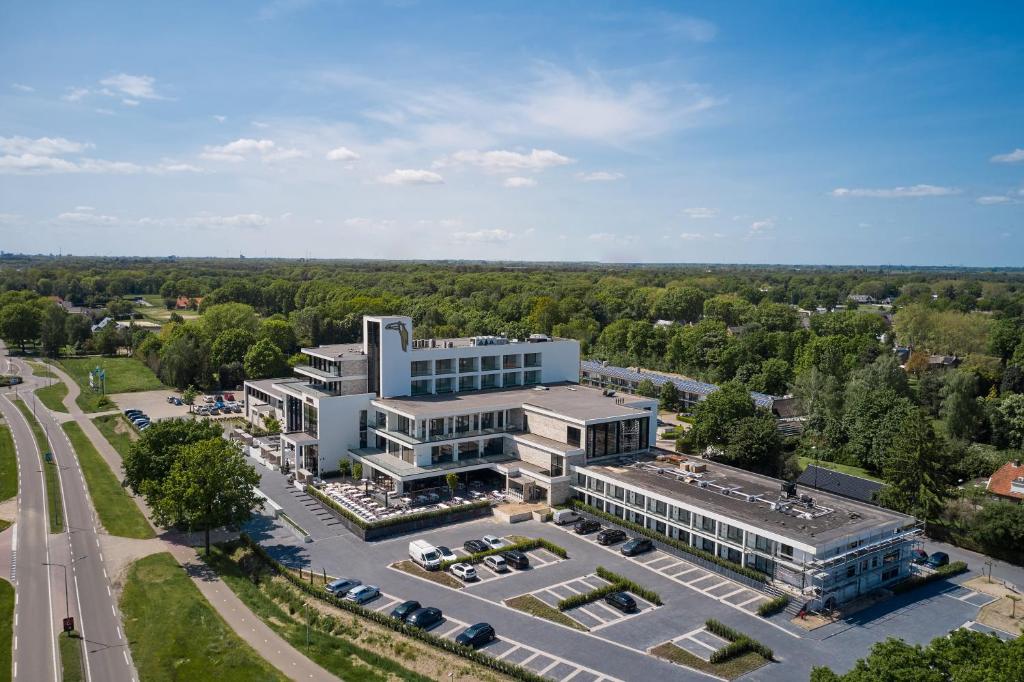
(622,601)
(406,609)
(937,560)
(609,536)
(476,635)
(636,546)
(425,618)
(132,413)
(584,526)
(516,559)
(918,556)
(475,546)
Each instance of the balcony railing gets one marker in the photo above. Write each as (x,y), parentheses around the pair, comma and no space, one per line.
(436,438)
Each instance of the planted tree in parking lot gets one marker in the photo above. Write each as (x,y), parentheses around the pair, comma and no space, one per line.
(188,396)
(452,480)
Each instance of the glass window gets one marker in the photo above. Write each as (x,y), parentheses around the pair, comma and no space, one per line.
(572,436)
(467,365)
(467,383)
(557,465)
(489,363)
(489,381)
(420,368)
(469,450)
(446,366)
(444,385)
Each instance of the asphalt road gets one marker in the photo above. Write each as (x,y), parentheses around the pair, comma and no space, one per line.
(90,598)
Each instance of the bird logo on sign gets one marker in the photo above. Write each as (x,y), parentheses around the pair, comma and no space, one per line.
(403,332)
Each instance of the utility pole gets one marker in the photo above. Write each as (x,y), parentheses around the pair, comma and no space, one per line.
(67,608)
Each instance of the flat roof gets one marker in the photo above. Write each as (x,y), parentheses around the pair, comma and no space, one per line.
(516,345)
(541,441)
(568,400)
(844,516)
(268,387)
(336,351)
(685,384)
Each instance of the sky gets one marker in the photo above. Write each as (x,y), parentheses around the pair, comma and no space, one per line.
(755,132)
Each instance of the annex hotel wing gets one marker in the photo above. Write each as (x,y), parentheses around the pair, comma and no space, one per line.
(412,411)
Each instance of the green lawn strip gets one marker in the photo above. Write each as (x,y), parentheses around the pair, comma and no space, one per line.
(123,374)
(121,439)
(330,644)
(71,657)
(53,396)
(527,603)
(841,468)
(8,465)
(53,499)
(117,510)
(175,634)
(439,577)
(729,670)
(40,369)
(6,629)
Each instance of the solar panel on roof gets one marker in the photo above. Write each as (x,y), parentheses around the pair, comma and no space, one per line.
(686,385)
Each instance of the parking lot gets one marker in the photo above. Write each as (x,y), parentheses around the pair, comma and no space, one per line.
(595,615)
(153,403)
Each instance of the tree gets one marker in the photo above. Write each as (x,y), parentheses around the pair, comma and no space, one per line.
(1011,412)
(107,340)
(754,444)
(1003,338)
(78,329)
(188,396)
(915,469)
(999,528)
(19,323)
(210,485)
(264,360)
(231,345)
(682,304)
(646,388)
(150,459)
(184,359)
(357,470)
(960,408)
(452,479)
(716,415)
(668,396)
(53,330)
(772,378)
(272,425)
(281,333)
(217,319)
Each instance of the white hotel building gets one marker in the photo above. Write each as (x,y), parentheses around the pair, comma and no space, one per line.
(412,411)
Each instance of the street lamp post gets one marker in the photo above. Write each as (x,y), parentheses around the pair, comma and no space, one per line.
(67,607)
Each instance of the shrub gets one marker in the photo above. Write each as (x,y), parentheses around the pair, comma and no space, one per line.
(738,645)
(644,593)
(524,546)
(585,598)
(947,571)
(773,606)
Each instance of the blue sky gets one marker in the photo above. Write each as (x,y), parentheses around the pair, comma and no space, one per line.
(726,132)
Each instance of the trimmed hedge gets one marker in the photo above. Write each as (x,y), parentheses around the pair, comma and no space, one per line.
(644,593)
(585,598)
(773,606)
(947,571)
(618,583)
(671,542)
(514,671)
(524,546)
(394,520)
(738,645)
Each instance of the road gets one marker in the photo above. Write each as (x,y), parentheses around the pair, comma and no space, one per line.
(90,598)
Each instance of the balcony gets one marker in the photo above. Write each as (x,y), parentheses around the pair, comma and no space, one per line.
(437,438)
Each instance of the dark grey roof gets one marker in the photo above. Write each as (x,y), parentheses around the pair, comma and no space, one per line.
(854,487)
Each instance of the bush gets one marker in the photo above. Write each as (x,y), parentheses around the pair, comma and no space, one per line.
(773,606)
(947,571)
(738,645)
(394,520)
(585,598)
(524,546)
(627,584)
(671,542)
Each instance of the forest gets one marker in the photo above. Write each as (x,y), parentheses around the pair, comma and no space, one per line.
(861,348)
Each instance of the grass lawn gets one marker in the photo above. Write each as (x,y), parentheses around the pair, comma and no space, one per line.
(841,468)
(71,657)
(176,635)
(115,429)
(53,396)
(6,629)
(730,669)
(117,510)
(53,501)
(8,465)
(124,375)
(40,369)
(4,525)
(527,603)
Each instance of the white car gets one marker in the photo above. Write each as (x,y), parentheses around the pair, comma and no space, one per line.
(496,563)
(464,571)
(363,594)
(493,541)
(446,553)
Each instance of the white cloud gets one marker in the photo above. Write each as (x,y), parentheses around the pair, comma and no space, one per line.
(88,218)
(219,118)
(599,176)
(44,160)
(368,224)
(517,182)
(996,199)
(700,213)
(85,208)
(411,176)
(691,236)
(496,236)
(897,192)
(22,87)
(610,238)
(243,220)
(9,218)
(342,154)
(247,148)
(1012,157)
(761,226)
(42,146)
(136,87)
(130,102)
(504,161)
(75,94)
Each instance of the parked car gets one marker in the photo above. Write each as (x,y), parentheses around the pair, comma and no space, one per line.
(516,559)
(585,526)
(229,396)
(203,410)
(342,585)
(475,546)
(214,411)
(208,399)
(132,412)
(237,409)
(425,618)
(446,553)
(425,554)
(177,401)
(918,556)
(563,517)
(494,542)
(496,563)
(609,536)
(363,594)
(170,399)
(636,546)
(144,427)
(938,559)
(464,571)
(622,601)
(476,635)
(405,609)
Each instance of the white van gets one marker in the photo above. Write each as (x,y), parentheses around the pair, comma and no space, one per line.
(425,554)
(564,517)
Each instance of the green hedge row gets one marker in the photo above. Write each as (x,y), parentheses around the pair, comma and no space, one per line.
(394,520)
(644,593)
(947,571)
(773,606)
(504,667)
(671,542)
(738,645)
(524,546)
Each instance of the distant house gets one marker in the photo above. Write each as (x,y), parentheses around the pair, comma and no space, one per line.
(847,485)
(861,298)
(902,354)
(665,323)
(185,303)
(737,329)
(1008,482)
(942,361)
(102,324)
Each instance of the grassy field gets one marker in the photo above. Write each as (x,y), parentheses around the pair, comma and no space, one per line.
(8,465)
(117,510)
(116,430)
(6,629)
(40,369)
(53,396)
(176,635)
(729,670)
(841,468)
(71,657)
(53,501)
(124,375)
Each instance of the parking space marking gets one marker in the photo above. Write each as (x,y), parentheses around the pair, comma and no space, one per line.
(507,652)
(751,600)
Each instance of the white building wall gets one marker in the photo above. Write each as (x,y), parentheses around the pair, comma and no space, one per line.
(338,427)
